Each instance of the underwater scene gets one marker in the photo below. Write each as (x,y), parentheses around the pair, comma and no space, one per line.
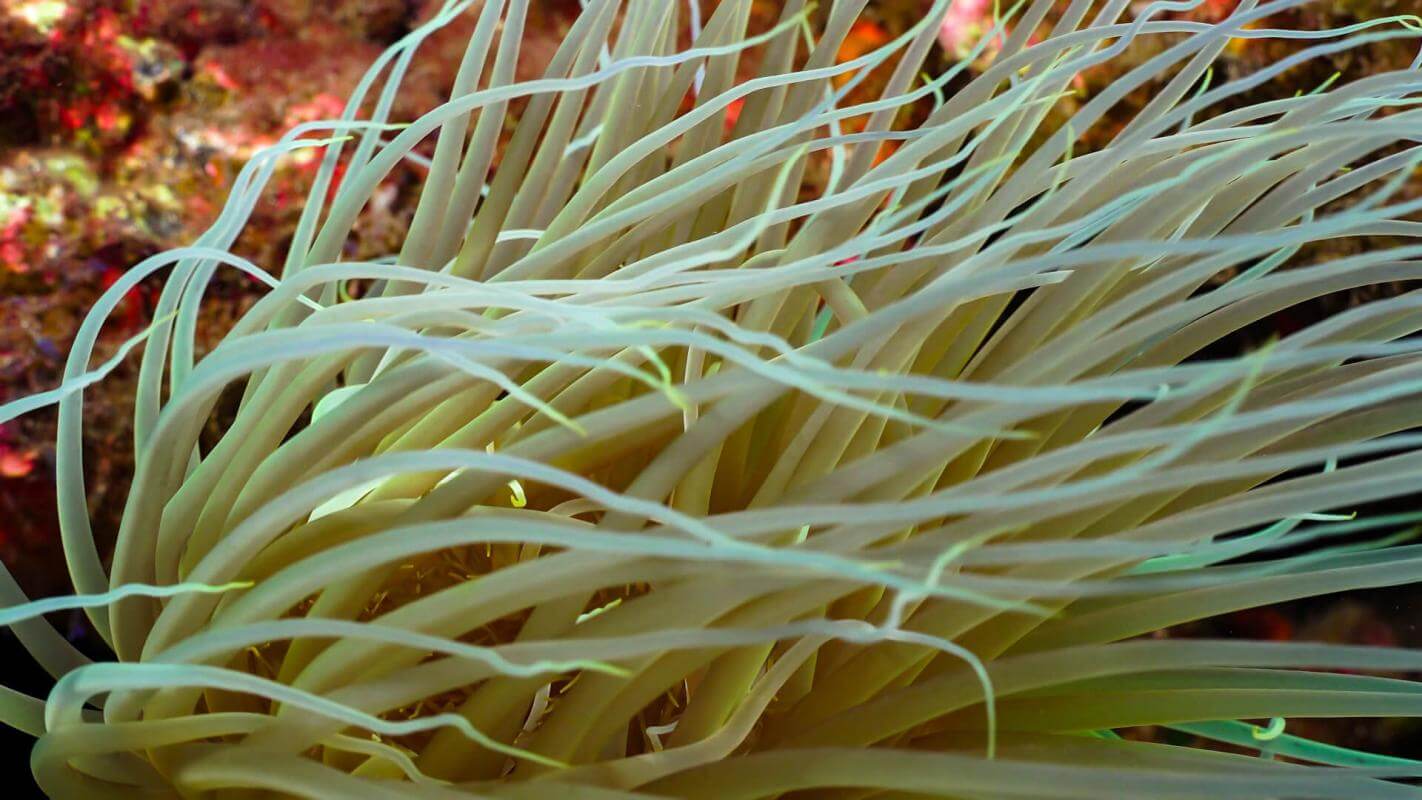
(630,399)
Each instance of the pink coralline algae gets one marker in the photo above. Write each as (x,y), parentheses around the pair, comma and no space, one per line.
(15,463)
(965,22)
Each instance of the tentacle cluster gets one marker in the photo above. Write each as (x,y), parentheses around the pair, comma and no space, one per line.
(675,456)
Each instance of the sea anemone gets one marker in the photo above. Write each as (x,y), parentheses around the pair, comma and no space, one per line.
(855,448)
